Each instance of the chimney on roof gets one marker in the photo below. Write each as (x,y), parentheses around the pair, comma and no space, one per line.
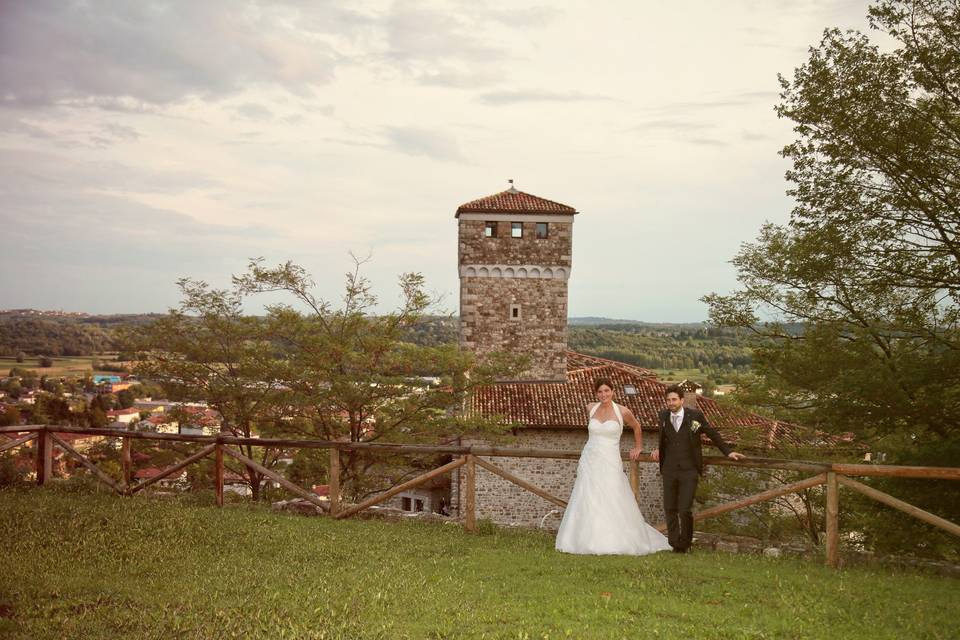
(691,390)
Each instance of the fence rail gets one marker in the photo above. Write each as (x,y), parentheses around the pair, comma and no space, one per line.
(832,475)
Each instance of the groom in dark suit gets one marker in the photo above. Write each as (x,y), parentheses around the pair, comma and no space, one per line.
(680,455)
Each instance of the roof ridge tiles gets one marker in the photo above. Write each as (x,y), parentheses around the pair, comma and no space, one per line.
(514,201)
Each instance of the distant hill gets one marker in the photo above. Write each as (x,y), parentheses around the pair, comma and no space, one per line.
(62,334)
(594,321)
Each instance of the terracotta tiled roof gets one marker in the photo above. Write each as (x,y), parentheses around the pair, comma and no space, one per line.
(563,405)
(582,361)
(513,201)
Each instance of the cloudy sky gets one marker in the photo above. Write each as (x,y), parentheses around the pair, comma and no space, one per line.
(141,142)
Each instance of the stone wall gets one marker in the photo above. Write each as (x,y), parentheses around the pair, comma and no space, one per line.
(540,332)
(554,250)
(505,503)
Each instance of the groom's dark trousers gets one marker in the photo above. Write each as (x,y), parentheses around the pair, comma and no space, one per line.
(681,463)
(680,476)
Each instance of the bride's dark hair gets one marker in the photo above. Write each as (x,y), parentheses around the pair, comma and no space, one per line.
(601,382)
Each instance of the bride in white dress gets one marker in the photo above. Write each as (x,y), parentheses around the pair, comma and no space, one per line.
(602,516)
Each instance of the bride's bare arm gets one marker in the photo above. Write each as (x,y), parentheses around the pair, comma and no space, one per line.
(631,420)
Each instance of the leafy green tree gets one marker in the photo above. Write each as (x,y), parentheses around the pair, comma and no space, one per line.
(97,417)
(10,416)
(13,387)
(869,263)
(45,361)
(209,351)
(104,401)
(10,472)
(331,373)
(21,356)
(125,399)
(352,376)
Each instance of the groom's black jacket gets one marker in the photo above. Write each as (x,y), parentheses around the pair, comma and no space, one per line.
(686,428)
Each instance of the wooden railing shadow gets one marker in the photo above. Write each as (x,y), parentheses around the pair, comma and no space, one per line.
(832,475)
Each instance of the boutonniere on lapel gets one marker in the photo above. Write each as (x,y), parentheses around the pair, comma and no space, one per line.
(695,426)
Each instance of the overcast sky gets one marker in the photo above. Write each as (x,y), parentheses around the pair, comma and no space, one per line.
(141,142)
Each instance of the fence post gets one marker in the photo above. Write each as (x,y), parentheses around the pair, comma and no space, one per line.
(44,457)
(470,496)
(218,471)
(126,461)
(333,481)
(635,479)
(833,526)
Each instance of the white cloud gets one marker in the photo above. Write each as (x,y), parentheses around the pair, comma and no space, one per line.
(165,138)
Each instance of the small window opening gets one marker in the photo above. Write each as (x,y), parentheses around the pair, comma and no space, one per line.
(543,229)
(516,229)
(514,312)
(629,389)
(490,230)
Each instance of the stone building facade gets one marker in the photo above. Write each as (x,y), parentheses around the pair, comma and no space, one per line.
(503,502)
(515,256)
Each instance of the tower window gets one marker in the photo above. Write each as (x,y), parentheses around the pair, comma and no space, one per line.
(542,230)
(516,229)
(490,230)
(629,389)
(514,312)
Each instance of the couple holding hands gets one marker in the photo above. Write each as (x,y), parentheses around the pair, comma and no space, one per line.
(602,516)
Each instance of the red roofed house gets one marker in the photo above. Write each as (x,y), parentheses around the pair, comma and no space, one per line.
(515,259)
(163,423)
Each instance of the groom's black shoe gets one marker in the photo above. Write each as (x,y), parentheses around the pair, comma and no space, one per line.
(680,549)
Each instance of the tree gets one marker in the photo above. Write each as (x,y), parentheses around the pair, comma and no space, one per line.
(10,416)
(352,376)
(209,351)
(125,399)
(21,356)
(323,373)
(97,417)
(104,401)
(869,263)
(45,361)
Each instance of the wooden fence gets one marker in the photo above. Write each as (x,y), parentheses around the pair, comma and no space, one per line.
(830,474)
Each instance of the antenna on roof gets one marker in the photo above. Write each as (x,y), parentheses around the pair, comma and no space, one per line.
(512,188)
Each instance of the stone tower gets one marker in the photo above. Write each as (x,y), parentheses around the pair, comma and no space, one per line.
(515,259)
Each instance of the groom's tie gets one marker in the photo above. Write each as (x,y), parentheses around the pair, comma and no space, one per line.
(675,418)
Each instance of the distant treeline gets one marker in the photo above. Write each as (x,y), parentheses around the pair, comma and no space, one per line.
(663,348)
(62,336)
(654,346)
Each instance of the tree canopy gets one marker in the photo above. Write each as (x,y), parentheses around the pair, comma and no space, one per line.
(869,261)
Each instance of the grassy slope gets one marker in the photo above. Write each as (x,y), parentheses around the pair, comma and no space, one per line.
(62,366)
(79,565)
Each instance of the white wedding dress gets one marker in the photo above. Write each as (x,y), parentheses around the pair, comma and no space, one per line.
(602,516)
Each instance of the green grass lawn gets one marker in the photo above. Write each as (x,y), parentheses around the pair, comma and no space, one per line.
(83,565)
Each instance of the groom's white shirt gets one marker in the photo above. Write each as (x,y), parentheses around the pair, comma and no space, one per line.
(676,419)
